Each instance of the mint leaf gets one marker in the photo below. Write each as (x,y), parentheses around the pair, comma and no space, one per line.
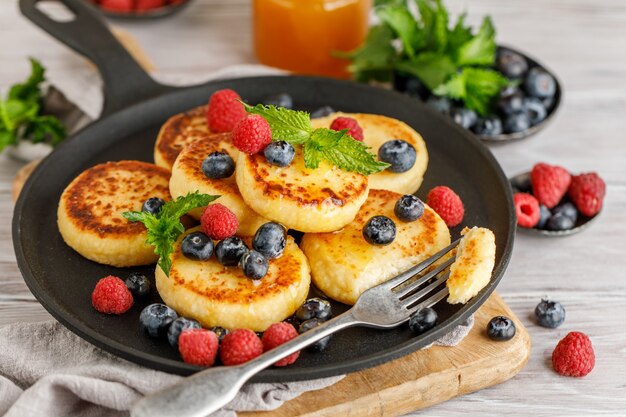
(431,68)
(30,89)
(289,125)
(440,27)
(459,34)
(165,227)
(404,25)
(481,49)
(476,87)
(373,59)
(42,128)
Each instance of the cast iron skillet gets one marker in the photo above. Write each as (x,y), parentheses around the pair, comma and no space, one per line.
(135,108)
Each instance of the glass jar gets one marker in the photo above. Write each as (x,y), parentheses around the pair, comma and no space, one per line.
(301,35)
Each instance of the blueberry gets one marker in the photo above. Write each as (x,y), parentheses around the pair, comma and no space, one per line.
(463,117)
(270,240)
(510,101)
(423,320)
(156,318)
(548,102)
(500,328)
(279,153)
(153,205)
(440,104)
(409,208)
(177,327)
(218,165)
(517,122)
(254,265)
(321,344)
(511,64)
(539,83)
(322,112)
(560,221)
(567,209)
(544,216)
(314,308)
(138,284)
(220,332)
(488,126)
(279,100)
(550,314)
(230,250)
(399,153)
(522,183)
(379,230)
(410,86)
(535,109)
(197,246)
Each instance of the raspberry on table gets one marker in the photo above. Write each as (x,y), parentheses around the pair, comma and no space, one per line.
(573,355)
(111,296)
(526,209)
(447,204)
(240,346)
(354,130)
(224,111)
(198,346)
(550,183)
(276,335)
(587,192)
(252,134)
(218,222)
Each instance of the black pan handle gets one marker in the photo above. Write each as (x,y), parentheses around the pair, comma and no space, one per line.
(125,82)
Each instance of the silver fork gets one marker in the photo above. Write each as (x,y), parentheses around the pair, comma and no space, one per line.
(384,306)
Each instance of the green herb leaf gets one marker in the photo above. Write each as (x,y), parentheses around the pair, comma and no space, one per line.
(43,128)
(289,125)
(481,49)
(431,68)
(476,87)
(30,89)
(165,227)
(459,34)
(404,25)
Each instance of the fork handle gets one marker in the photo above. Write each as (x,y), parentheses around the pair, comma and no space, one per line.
(209,390)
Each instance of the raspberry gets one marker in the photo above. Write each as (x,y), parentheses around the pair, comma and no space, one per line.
(587,192)
(276,335)
(224,111)
(240,346)
(573,355)
(252,134)
(117,5)
(549,183)
(527,209)
(218,222)
(354,130)
(149,4)
(198,346)
(111,296)
(447,204)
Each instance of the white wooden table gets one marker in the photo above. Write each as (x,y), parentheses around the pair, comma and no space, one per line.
(583,41)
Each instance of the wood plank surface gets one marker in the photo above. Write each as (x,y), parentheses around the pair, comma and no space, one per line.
(583,41)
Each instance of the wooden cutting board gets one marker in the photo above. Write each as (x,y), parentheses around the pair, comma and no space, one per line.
(421,379)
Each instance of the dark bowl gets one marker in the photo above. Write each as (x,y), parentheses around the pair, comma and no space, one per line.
(400,80)
(157,13)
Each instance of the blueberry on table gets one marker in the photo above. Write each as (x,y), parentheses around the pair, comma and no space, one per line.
(254,265)
(511,64)
(550,314)
(463,117)
(567,209)
(279,153)
(220,332)
(409,208)
(544,216)
(197,246)
(517,122)
(535,109)
(156,319)
(279,100)
(138,284)
(177,327)
(230,250)
(423,320)
(510,101)
(400,154)
(153,205)
(488,126)
(379,230)
(500,328)
(322,112)
(560,221)
(440,104)
(322,344)
(270,240)
(539,83)
(218,165)
(314,308)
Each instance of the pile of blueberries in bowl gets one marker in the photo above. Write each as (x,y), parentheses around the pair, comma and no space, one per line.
(519,111)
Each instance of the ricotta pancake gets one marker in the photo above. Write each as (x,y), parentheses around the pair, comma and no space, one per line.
(90,211)
(218,295)
(187,176)
(377,130)
(177,132)
(475,259)
(343,264)
(324,199)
